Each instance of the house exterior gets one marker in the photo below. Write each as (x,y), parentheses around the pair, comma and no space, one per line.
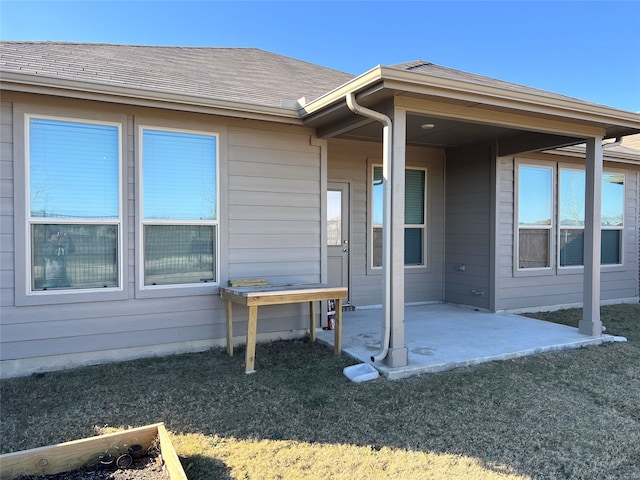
(138,180)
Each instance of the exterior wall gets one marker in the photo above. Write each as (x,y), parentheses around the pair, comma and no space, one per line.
(270,224)
(6,204)
(350,162)
(558,288)
(632,141)
(468,226)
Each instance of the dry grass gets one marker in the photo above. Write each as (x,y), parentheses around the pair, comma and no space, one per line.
(564,415)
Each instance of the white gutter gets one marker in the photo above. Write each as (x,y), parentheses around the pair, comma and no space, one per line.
(579,151)
(475,95)
(86,90)
(387,152)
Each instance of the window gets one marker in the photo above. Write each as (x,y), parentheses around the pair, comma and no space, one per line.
(572,215)
(534,216)
(179,207)
(414,216)
(74,206)
(334,218)
(612,218)
(536,227)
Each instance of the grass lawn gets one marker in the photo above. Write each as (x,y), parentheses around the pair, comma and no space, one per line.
(573,414)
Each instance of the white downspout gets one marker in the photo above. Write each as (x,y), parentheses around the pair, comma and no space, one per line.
(387,152)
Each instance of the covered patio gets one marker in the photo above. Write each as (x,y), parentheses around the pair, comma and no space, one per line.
(487,132)
(442,337)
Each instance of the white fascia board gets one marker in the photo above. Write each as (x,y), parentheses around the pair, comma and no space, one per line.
(338,94)
(579,151)
(504,98)
(40,84)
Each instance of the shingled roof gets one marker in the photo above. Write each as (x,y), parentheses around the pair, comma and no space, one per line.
(247,75)
(431,69)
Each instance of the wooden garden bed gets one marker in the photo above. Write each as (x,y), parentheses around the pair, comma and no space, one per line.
(70,456)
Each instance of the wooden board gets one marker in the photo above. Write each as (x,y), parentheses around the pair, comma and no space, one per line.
(69,456)
(250,282)
(281,294)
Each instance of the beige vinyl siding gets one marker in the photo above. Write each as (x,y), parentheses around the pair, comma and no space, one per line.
(274,207)
(347,162)
(560,287)
(274,220)
(6,205)
(270,227)
(350,162)
(632,141)
(468,226)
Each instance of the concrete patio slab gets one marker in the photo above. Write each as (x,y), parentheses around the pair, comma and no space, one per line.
(442,337)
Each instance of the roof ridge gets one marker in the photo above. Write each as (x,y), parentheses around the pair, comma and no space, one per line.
(419,63)
(412,64)
(127,45)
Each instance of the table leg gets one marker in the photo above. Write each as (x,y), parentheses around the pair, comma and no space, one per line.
(312,322)
(337,336)
(251,340)
(230,328)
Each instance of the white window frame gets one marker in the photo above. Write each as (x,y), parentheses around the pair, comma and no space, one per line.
(620,228)
(425,257)
(555,227)
(517,227)
(202,288)
(565,168)
(27,295)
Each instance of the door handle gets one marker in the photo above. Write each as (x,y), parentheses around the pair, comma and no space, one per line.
(345,250)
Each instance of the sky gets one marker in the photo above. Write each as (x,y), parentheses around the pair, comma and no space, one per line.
(584,49)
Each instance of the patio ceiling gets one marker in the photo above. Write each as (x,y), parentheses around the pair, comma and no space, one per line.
(437,131)
(443,133)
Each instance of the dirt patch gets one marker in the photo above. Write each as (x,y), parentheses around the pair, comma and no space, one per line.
(148,467)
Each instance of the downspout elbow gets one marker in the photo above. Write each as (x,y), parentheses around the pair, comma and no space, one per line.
(615,143)
(366,112)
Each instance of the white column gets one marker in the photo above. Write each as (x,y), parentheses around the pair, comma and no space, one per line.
(398,355)
(590,324)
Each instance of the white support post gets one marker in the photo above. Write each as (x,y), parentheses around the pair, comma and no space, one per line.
(590,324)
(398,354)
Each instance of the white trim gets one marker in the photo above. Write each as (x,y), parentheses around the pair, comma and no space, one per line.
(555,268)
(371,269)
(621,228)
(517,270)
(178,288)
(29,220)
(501,95)
(75,89)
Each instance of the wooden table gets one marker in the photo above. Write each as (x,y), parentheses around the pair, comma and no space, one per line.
(253,297)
